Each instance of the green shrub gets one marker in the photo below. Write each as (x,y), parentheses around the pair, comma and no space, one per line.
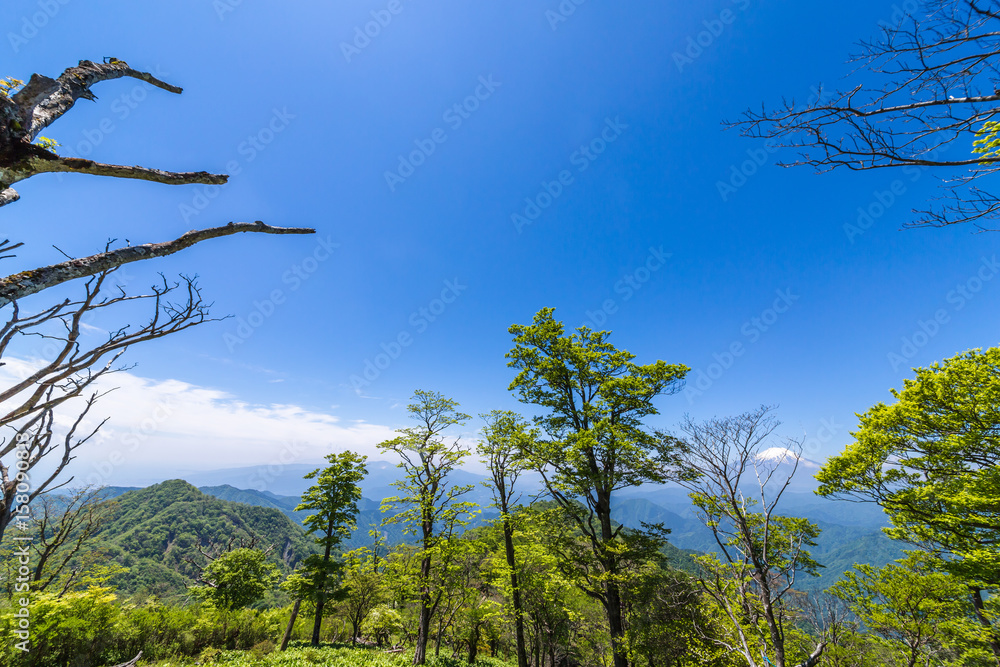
(262,648)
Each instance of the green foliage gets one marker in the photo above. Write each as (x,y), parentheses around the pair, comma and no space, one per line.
(930,460)
(48,144)
(333,499)
(237,579)
(95,627)
(428,506)
(668,622)
(988,143)
(9,85)
(382,623)
(298,655)
(156,532)
(919,614)
(596,399)
(316,580)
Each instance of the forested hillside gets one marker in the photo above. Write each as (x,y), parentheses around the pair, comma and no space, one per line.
(158,533)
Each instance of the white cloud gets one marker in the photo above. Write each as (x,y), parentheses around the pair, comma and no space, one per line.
(165,427)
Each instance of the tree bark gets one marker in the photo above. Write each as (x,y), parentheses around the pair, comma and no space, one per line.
(814,657)
(474,644)
(44,100)
(977,605)
(508,539)
(321,598)
(132,662)
(424,627)
(29,282)
(291,624)
(612,594)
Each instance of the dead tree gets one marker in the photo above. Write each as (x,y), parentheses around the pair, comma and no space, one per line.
(926,85)
(735,485)
(28,406)
(44,100)
(63,530)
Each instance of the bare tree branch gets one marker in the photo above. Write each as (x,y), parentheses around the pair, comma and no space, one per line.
(52,163)
(30,403)
(29,282)
(44,100)
(937,88)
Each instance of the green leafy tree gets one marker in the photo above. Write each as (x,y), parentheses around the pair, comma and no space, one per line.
(668,624)
(595,400)
(334,500)
(237,579)
(382,623)
(364,581)
(429,506)
(930,460)
(923,616)
(505,436)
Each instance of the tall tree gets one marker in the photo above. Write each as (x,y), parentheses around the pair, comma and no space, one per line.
(595,400)
(927,84)
(29,404)
(505,436)
(736,491)
(429,505)
(333,499)
(930,461)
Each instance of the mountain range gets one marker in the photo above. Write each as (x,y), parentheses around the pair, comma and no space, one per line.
(851,532)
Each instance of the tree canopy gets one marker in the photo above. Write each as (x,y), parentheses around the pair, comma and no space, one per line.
(930,460)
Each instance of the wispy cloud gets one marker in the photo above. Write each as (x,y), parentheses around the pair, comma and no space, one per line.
(164,427)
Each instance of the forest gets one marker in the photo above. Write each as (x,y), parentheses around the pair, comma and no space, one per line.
(640,339)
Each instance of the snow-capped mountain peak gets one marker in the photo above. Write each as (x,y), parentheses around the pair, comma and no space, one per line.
(778,455)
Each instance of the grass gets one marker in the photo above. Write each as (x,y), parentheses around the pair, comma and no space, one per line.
(300,654)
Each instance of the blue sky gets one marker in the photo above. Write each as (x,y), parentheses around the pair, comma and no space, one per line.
(636,235)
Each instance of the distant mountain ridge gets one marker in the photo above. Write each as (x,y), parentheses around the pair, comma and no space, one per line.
(851,533)
(289,480)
